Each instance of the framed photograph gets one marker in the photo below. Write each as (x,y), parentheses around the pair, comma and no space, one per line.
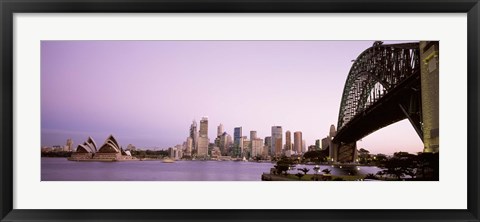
(233,110)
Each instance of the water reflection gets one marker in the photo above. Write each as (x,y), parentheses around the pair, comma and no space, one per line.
(60,169)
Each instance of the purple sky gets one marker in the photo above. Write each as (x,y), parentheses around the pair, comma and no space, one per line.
(148,92)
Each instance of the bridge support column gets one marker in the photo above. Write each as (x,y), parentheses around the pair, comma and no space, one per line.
(333,152)
(429,67)
(346,152)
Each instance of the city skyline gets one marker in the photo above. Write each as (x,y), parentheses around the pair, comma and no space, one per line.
(147,93)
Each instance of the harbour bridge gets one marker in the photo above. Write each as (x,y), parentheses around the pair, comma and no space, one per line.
(388,83)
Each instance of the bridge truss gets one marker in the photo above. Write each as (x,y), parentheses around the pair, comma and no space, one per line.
(376,72)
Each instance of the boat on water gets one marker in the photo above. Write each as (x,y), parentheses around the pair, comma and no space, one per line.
(168,160)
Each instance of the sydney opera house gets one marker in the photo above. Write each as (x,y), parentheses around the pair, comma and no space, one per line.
(109,151)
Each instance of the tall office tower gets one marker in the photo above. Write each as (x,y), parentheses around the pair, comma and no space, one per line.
(297,142)
(194,135)
(288,141)
(317,144)
(257,146)
(202,150)
(333,132)
(253,135)
(276,134)
(220,140)
(246,147)
(239,148)
(220,130)
(188,144)
(237,134)
(237,141)
(268,144)
(278,147)
(69,146)
(265,151)
(217,141)
(229,140)
(304,146)
(223,143)
(327,143)
(267,141)
(204,127)
(203,141)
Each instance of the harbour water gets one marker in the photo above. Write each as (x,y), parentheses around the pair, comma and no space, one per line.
(60,169)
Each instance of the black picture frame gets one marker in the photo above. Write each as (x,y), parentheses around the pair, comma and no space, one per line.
(9,7)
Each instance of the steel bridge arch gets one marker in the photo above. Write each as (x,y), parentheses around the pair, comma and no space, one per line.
(389,65)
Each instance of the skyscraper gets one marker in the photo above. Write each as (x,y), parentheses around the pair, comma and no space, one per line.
(237,141)
(268,144)
(304,146)
(297,142)
(188,149)
(246,145)
(257,146)
(218,139)
(332,132)
(229,142)
(224,143)
(204,127)
(327,143)
(317,144)
(220,130)
(276,137)
(202,149)
(203,141)
(288,141)
(237,134)
(194,135)
(278,146)
(253,135)
(239,149)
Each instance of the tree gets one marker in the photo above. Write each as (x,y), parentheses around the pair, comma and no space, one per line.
(316,156)
(379,159)
(316,169)
(326,171)
(299,175)
(282,169)
(304,170)
(380,173)
(393,167)
(428,165)
(401,164)
(371,176)
(364,156)
(283,165)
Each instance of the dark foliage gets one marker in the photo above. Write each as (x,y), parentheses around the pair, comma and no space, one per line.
(56,154)
(422,166)
(299,175)
(304,170)
(283,165)
(371,176)
(316,156)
